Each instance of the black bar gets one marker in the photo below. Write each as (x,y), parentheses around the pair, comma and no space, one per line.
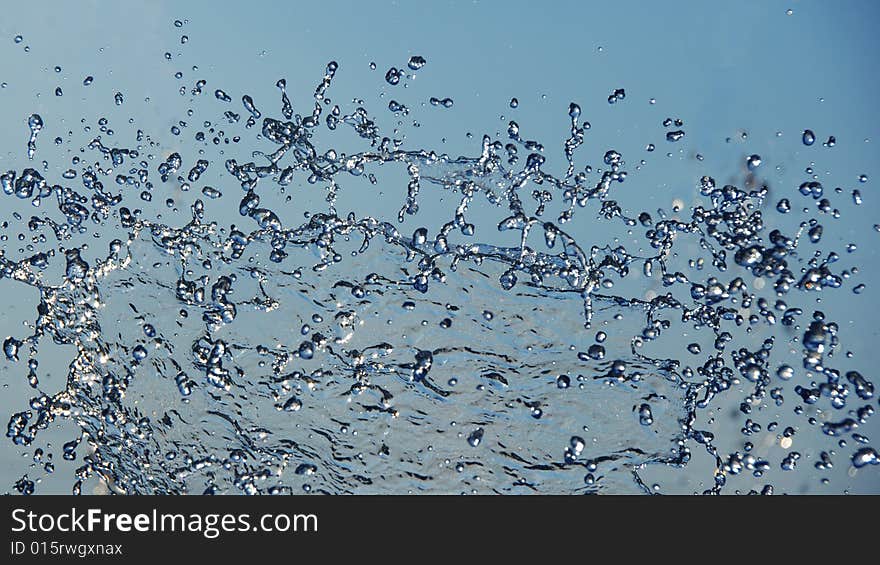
(437,525)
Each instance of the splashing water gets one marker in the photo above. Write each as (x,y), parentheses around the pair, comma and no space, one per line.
(343,354)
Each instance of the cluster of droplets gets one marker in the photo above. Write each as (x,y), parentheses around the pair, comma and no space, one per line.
(214,274)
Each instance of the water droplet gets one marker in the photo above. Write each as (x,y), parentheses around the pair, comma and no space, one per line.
(139,353)
(754,162)
(646,417)
(475,437)
(35,124)
(393,76)
(616,96)
(808,137)
(865,456)
(784,206)
(785,372)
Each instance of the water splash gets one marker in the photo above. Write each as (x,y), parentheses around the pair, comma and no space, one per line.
(342,354)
